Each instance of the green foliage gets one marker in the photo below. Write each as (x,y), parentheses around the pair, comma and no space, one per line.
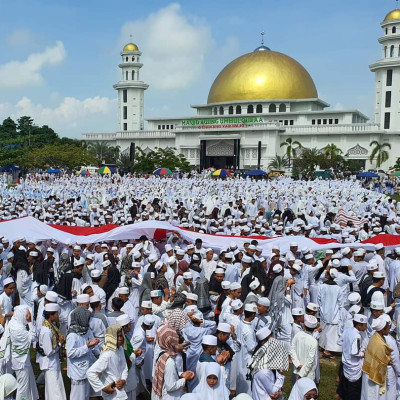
(159,158)
(332,157)
(124,163)
(279,163)
(379,152)
(396,166)
(103,151)
(307,164)
(291,148)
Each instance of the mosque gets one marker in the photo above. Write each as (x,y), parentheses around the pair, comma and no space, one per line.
(257,101)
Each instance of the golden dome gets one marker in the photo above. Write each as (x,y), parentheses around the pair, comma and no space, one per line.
(395,14)
(262,75)
(130,47)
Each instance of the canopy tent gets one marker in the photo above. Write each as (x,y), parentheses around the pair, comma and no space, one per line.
(10,168)
(396,173)
(106,171)
(53,171)
(367,174)
(255,172)
(323,174)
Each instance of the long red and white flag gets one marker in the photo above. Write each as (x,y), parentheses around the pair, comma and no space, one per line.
(342,219)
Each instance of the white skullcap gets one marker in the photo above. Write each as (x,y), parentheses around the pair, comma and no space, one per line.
(146,304)
(156,293)
(219,270)
(335,263)
(379,275)
(192,296)
(51,307)
(360,318)
(149,320)
(209,340)
(354,309)
(10,255)
(354,298)
(95,273)
(297,311)
(94,299)
(83,298)
(308,256)
(152,258)
(236,305)
(225,285)
(379,246)
(346,251)
(123,320)
(50,250)
(377,305)
(168,248)
(123,290)
(310,321)
(378,324)
(293,244)
(247,259)
(187,275)
(79,262)
(312,307)
(224,327)
(129,246)
(254,284)
(90,257)
(43,289)
(51,296)
(333,272)
(277,269)
(235,286)
(159,265)
(262,333)
(264,301)
(371,266)
(250,307)
(7,281)
(329,251)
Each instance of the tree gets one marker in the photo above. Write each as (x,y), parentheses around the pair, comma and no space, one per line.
(104,152)
(291,148)
(166,158)
(8,129)
(379,152)
(124,163)
(279,163)
(396,166)
(25,125)
(332,157)
(307,164)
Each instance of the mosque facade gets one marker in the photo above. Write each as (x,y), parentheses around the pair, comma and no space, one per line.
(258,101)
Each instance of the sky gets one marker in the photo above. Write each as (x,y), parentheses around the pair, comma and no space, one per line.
(59,59)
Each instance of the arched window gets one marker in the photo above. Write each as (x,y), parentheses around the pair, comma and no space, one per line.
(272,108)
(282,107)
(394,29)
(259,109)
(126,75)
(385,51)
(250,109)
(221,110)
(126,59)
(133,75)
(230,111)
(133,58)
(386,31)
(215,110)
(238,109)
(392,51)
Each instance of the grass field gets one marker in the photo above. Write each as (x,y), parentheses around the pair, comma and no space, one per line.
(327,387)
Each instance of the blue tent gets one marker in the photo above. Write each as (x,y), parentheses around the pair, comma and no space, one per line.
(367,174)
(53,171)
(9,168)
(255,172)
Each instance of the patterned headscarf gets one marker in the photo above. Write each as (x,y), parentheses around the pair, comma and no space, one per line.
(168,340)
(177,320)
(79,321)
(111,337)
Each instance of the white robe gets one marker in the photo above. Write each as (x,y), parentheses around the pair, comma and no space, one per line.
(303,351)
(265,383)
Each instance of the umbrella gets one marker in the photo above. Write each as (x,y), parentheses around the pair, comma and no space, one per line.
(85,173)
(396,173)
(323,174)
(53,171)
(222,173)
(106,170)
(162,171)
(256,172)
(367,174)
(9,168)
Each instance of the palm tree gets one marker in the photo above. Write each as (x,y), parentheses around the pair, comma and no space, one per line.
(290,148)
(332,153)
(103,151)
(379,152)
(278,163)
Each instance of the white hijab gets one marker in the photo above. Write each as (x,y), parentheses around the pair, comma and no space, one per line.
(301,388)
(219,391)
(8,384)
(20,337)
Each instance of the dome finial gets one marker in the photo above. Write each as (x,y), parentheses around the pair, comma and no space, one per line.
(262,47)
(263,33)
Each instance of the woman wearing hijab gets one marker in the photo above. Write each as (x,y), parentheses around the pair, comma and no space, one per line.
(304,389)
(50,341)
(8,386)
(21,339)
(109,373)
(113,280)
(212,385)
(24,283)
(81,349)
(168,384)
(147,286)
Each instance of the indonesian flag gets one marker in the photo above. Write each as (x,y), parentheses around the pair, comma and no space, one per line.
(342,219)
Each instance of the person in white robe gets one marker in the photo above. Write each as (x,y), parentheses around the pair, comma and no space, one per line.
(6,298)
(128,309)
(98,321)
(97,290)
(212,386)
(50,341)
(110,372)
(352,359)
(21,340)
(304,350)
(24,285)
(81,348)
(330,301)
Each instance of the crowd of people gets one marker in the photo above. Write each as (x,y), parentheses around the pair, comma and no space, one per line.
(172,319)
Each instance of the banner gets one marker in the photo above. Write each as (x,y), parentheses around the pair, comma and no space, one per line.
(31,228)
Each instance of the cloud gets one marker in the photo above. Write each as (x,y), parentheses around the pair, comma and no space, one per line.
(28,72)
(70,117)
(174,47)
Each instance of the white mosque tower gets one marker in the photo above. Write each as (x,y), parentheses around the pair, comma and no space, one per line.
(131,90)
(387,74)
